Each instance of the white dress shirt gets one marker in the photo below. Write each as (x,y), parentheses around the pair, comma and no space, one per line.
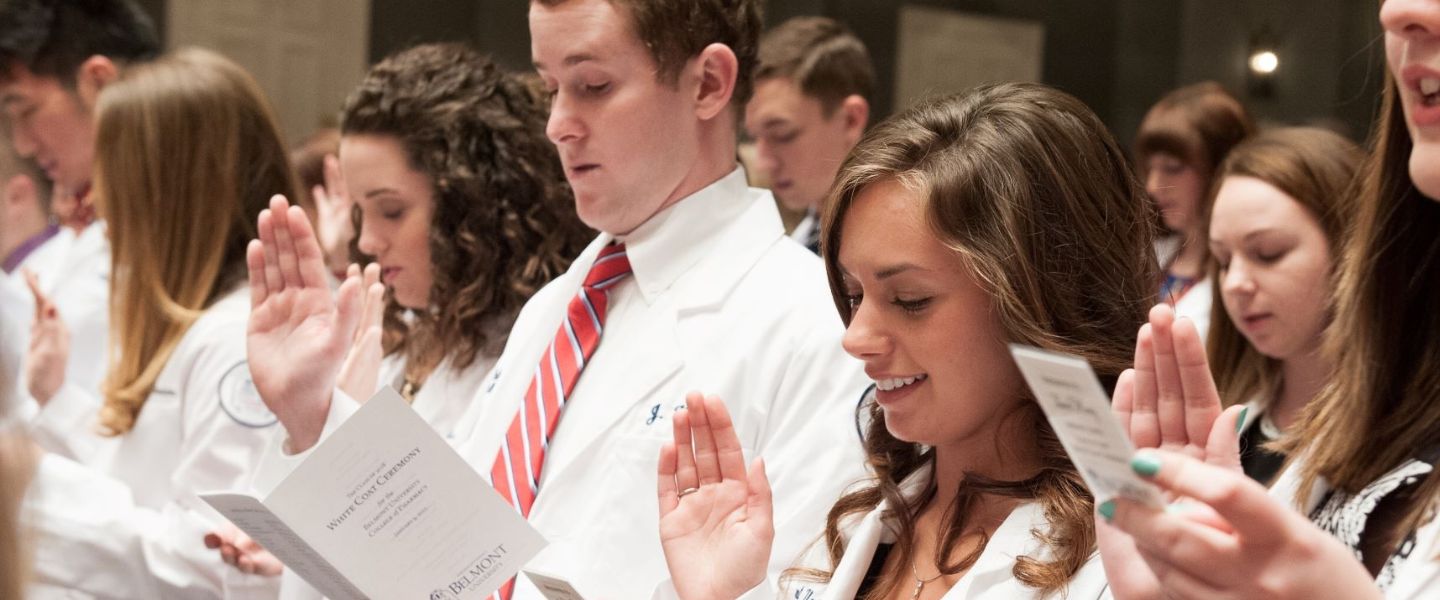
(719,301)
(130,524)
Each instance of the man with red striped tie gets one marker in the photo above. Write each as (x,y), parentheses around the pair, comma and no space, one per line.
(692,285)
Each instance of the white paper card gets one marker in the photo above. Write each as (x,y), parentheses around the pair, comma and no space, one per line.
(384,508)
(553,588)
(1079,411)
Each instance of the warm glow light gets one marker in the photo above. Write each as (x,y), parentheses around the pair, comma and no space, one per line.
(1264,63)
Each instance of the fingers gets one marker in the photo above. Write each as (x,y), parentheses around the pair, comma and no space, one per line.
(728,452)
(1122,404)
(1178,542)
(1202,401)
(285,254)
(760,504)
(707,464)
(347,311)
(309,258)
(322,199)
(43,308)
(1238,499)
(1144,415)
(1170,397)
(1223,447)
(685,477)
(665,479)
(266,225)
(334,183)
(255,265)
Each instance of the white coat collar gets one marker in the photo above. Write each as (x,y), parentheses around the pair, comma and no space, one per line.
(1014,538)
(721,223)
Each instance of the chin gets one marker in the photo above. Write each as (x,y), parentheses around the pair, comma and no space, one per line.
(1425,168)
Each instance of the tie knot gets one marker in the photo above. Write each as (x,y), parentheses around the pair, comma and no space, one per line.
(610,267)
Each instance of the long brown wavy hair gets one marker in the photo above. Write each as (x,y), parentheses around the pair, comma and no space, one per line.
(1316,168)
(1035,197)
(187,154)
(1385,340)
(505,221)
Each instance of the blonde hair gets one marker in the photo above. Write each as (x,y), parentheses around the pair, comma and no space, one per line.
(187,155)
(1315,167)
(18,459)
(1036,199)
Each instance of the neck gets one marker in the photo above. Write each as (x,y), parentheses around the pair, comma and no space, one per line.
(1009,453)
(1190,261)
(714,159)
(1302,377)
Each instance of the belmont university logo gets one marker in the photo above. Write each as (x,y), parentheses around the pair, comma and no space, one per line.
(480,571)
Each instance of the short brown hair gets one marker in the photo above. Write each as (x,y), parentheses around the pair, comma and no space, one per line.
(1315,167)
(821,56)
(677,30)
(1198,124)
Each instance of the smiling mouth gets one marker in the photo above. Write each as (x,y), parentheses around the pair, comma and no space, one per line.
(895,383)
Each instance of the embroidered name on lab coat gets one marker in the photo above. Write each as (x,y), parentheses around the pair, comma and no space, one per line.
(240,399)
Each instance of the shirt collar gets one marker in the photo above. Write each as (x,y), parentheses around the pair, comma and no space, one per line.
(675,239)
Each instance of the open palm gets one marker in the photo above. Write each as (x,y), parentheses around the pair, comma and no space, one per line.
(716,519)
(298,333)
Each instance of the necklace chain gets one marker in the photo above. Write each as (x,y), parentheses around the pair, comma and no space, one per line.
(920,583)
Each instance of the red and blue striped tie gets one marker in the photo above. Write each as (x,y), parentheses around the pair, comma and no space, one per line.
(516,473)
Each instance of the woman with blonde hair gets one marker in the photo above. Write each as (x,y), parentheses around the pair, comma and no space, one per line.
(187,155)
(1006,215)
(1180,145)
(1280,206)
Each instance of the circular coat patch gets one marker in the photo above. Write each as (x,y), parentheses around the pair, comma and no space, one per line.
(240,399)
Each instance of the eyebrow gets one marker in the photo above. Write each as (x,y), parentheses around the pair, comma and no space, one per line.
(381,191)
(894,270)
(570,61)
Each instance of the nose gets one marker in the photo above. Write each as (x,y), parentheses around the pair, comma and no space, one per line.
(766,161)
(865,338)
(1410,18)
(1237,279)
(1152,183)
(22,141)
(564,125)
(369,241)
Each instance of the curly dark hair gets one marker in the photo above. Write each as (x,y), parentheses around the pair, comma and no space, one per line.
(505,221)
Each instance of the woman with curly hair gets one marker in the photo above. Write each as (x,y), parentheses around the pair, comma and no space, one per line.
(463,205)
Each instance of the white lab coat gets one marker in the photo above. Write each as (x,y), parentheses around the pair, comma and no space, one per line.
(74,270)
(722,302)
(991,577)
(130,525)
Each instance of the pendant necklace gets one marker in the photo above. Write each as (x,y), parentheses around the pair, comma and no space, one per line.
(920,583)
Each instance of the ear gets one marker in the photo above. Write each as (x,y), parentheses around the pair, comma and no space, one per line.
(856,113)
(718,69)
(19,192)
(92,77)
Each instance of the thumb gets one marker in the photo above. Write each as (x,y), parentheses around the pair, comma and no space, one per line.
(1223,447)
(760,505)
(347,309)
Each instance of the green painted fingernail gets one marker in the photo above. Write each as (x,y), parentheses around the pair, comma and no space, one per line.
(1240,421)
(1145,465)
(1107,510)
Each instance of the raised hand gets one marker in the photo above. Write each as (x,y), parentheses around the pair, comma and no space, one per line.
(332,210)
(716,519)
(359,377)
(1167,401)
(1265,550)
(298,332)
(49,346)
(240,551)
